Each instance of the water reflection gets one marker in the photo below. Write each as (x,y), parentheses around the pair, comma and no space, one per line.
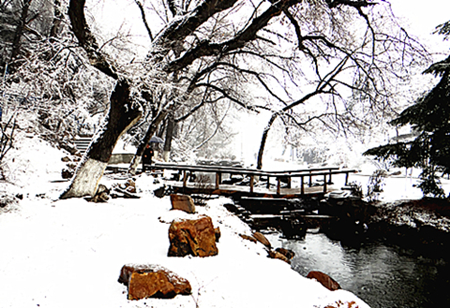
(381,275)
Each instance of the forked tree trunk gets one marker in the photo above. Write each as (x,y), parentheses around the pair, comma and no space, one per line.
(123,114)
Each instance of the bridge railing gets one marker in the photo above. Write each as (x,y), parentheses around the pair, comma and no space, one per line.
(325,172)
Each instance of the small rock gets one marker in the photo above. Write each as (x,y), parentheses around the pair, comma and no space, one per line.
(183,203)
(67,173)
(66,159)
(217,233)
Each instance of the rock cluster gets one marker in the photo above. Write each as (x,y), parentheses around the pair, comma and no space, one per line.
(102,194)
(71,164)
(280,253)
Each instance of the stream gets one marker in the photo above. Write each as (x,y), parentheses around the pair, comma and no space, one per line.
(384,276)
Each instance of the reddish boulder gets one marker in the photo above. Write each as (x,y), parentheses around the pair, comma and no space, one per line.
(183,203)
(192,237)
(144,281)
(325,280)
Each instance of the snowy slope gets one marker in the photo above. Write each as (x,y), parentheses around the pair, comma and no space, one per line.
(69,253)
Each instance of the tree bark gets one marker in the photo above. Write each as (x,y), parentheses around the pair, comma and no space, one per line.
(57,20)
(16,45)
(122,115)
(169,136)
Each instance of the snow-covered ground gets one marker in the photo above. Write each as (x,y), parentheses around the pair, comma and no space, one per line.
(69,253)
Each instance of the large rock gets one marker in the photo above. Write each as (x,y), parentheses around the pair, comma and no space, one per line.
(192,237)
(324,279)
(144,281)
(183,203)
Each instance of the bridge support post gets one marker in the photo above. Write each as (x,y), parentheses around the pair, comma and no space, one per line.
(218,179)
(184,178)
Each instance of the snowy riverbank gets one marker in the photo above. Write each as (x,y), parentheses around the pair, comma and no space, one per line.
(69,253)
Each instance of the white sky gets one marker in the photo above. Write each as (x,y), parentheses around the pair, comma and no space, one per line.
(417,18)
(420,18)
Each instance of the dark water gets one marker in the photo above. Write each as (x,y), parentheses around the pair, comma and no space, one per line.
(383,276)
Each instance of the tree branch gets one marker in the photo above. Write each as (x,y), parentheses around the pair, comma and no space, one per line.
(180,28)
(87,40)
(205,48)
(144,19)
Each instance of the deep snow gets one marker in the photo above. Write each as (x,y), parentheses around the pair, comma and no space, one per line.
(69,253)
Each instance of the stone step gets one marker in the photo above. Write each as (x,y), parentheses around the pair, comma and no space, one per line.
(82,143)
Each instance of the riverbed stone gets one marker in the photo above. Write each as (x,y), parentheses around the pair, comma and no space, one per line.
(262,239)
(324,279)
(192,237)
(248,238)
(286,252)
(145,281)
(183,203)
(276,255)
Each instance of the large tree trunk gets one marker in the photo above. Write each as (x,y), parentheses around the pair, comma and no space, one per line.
(148,135)
(16,44)
(123,114)
(169,136)
(264,140)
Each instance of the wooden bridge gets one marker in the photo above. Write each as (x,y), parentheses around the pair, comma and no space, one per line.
(324,174)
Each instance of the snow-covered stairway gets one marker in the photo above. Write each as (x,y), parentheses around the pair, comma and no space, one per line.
(82,143)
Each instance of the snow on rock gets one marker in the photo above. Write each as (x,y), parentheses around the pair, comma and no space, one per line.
(69,253)
(402,212)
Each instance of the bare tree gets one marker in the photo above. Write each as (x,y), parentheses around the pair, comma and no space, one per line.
(213,47)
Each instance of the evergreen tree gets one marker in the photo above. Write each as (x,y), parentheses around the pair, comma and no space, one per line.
(430,117)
